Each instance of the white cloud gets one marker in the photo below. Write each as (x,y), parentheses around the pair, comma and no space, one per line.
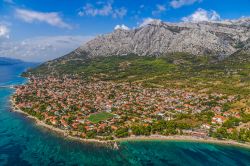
(51,18)
(159,9)
(119,13)
(103,9)
(41,48)
(122,27)
(4,31)
(89,9)
(180,3)
(202,15)
(147,21)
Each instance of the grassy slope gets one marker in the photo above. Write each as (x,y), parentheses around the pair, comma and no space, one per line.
(179,70)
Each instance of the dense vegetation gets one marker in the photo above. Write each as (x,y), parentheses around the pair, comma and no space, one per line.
(230,75)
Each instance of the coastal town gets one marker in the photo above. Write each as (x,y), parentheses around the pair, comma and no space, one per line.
(105,110)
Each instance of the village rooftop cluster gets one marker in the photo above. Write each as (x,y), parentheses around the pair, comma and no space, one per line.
(105,109)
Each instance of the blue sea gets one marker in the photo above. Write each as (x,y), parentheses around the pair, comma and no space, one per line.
(24,143)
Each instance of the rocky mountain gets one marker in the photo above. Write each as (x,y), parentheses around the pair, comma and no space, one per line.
(221,38)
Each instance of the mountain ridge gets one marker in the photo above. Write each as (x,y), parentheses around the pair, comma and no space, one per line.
(219,39)
(158,38)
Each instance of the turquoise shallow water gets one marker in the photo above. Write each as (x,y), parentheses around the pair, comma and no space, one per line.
(24,143)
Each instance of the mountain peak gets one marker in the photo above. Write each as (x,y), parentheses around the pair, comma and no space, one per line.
(150,21)
(156,38)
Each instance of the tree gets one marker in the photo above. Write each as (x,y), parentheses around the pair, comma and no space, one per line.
(91,134)
(225,107)
(234,135)
(231,122)
(70,120)
(81,128)
(220,133)
(183,126)
(141,130)
(245,117)
(121,132)
(244,135)
(158,126)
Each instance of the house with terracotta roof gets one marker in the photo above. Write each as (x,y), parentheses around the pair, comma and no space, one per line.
(218,119)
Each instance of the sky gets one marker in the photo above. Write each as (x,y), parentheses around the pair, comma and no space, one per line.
(41,30)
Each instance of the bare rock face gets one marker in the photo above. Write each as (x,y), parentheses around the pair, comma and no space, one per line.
(221,38)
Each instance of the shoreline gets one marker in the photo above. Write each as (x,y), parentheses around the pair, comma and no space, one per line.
(62,132)
(184,138)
